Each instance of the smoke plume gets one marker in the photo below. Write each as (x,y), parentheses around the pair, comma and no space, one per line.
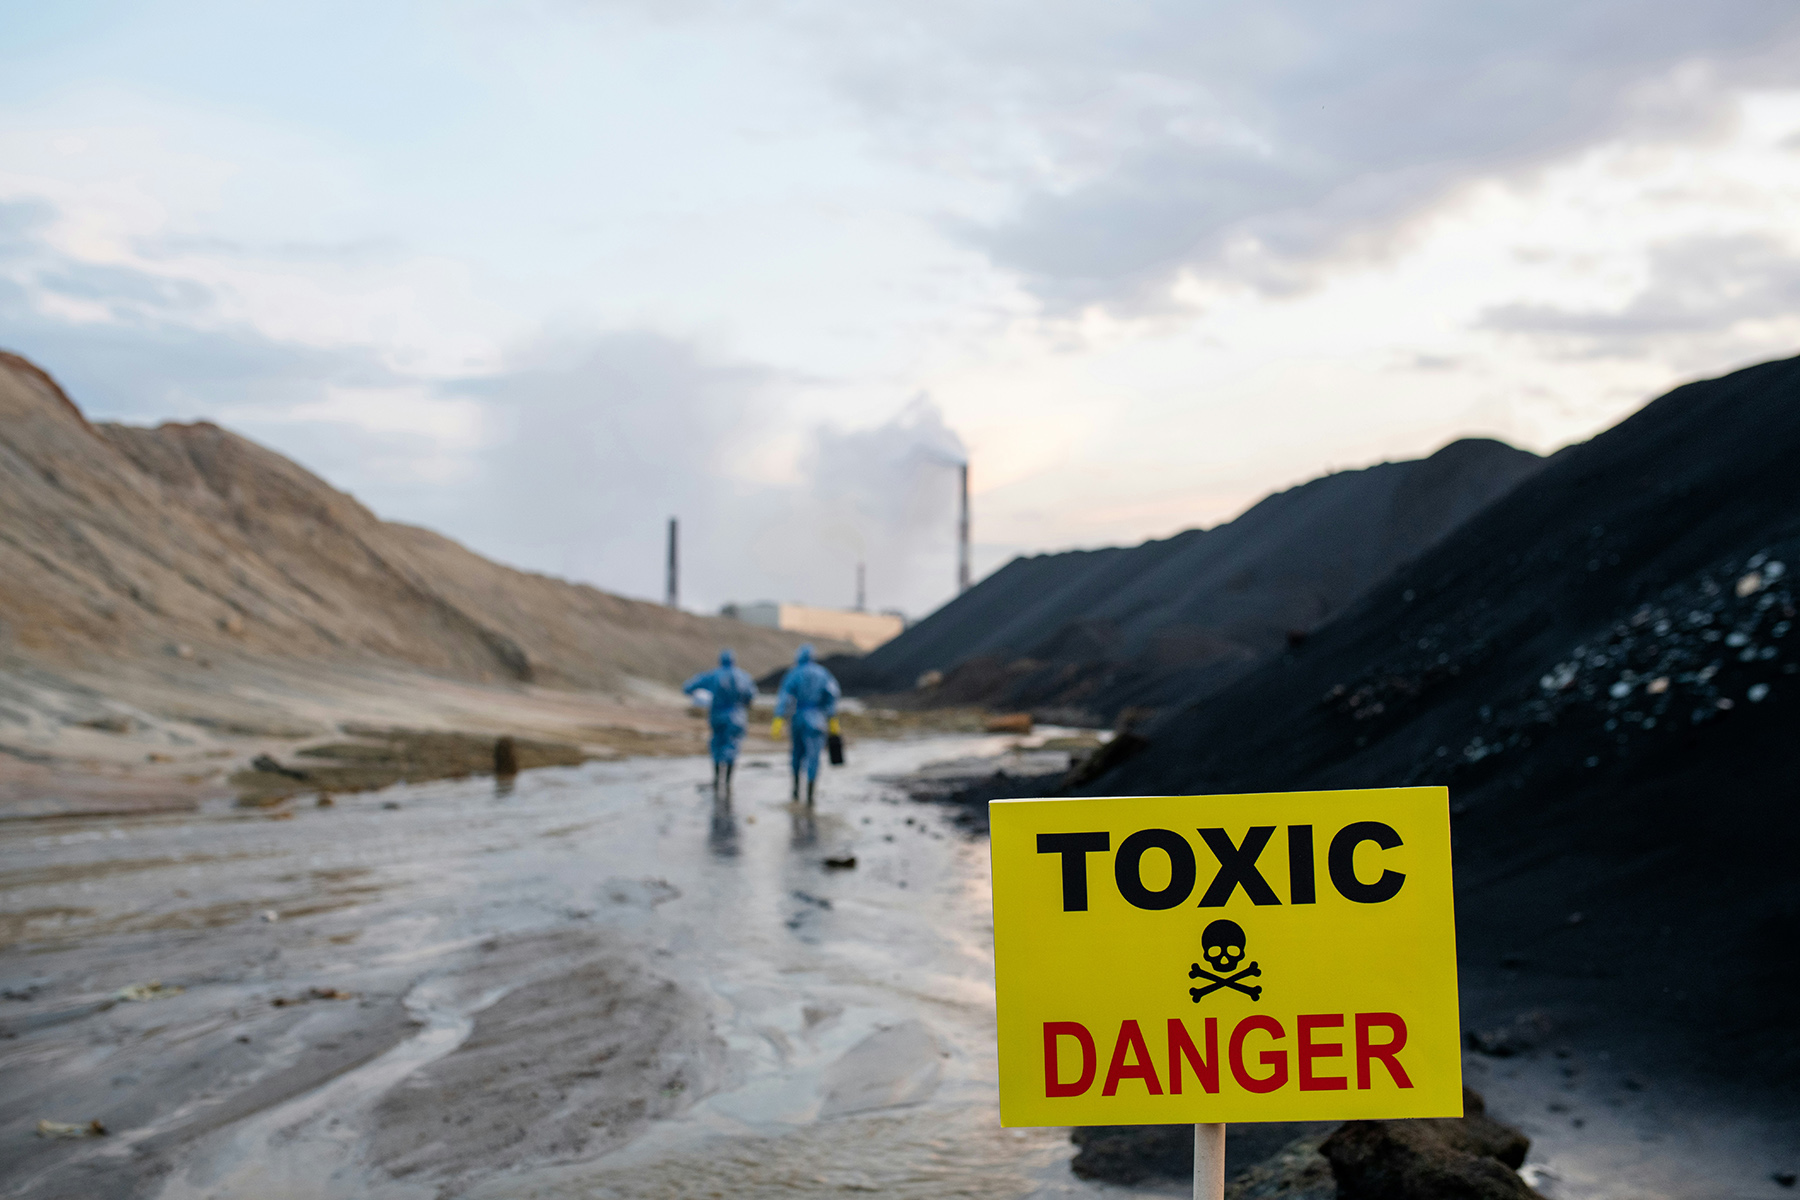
(596,443)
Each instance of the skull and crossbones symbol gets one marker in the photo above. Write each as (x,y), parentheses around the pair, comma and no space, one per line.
(1222,944)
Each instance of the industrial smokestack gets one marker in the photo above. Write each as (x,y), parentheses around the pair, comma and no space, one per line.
(962,535)
(862,591)
(674,600)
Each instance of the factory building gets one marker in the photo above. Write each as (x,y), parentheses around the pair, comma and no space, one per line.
(864,630)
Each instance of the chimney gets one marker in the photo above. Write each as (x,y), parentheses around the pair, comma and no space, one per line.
(962,535)
(674,600)
(862,591)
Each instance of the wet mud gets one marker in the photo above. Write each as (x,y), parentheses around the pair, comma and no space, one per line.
(593,980)
(378,758)
(597,981)
(561,1068)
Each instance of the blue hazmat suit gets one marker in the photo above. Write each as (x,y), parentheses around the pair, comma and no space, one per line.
(808,700)
(732,692)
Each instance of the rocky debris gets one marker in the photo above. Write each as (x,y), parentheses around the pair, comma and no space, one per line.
(154,990)
(1698,650)
(1019,723)
(1113,754)
(506,758)
(1295,1172)
(63,1129)
(1263,1156)
(263,762)
(110,724)
(1442,1159)
(1126,741)
(1472,1157)
(1095,630)
(311,994)
(968,795)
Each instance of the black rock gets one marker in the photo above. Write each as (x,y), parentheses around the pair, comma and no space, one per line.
(1472,1157)
(506,758)
(263,762)
(1133,1153)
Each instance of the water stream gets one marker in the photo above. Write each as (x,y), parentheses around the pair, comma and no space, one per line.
(844,1014)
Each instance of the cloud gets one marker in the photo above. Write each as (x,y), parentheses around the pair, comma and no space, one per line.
(142,370)
(1697,288)
(883,198)
(134,343)
(124,290)
(1260,145)
(596,440)
(874,468)
(567,458)
(22,223)
(351,252)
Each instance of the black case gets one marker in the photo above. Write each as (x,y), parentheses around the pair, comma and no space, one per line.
(834,746)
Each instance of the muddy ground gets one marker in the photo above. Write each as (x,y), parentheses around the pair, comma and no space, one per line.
(592,979)
(171,736)
(597,982)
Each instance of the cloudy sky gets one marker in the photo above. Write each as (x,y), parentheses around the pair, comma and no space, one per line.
(541,274)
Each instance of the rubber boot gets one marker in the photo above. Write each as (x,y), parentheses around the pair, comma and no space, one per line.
(812,785)
(717,770)
(796,795)
(729,767)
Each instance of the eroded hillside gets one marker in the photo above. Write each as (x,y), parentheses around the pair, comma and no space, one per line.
(161,589)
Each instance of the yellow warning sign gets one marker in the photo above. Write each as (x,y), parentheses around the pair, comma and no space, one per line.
(1185,959)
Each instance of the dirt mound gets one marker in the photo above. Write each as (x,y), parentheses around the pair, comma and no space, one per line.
(1601,667)
(123,539)
(1091,631)
(187,556)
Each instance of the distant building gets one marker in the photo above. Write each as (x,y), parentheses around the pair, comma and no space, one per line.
(864,630)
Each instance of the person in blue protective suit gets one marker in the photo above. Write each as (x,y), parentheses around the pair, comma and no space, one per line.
(732,691)
(808,702)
